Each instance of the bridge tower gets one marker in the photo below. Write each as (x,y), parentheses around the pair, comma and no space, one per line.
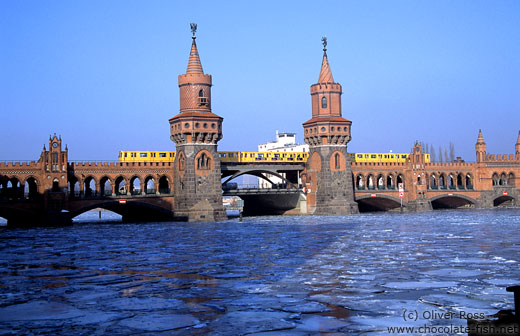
(196,131)
(480,147)
(329,173)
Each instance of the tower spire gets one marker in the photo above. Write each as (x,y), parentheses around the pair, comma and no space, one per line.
(325,73)
(480,139)
(194,65)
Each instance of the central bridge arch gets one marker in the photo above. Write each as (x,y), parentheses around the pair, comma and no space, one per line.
(452,201)
(369,203)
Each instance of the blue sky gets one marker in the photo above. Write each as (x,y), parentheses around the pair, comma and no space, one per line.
(103,74)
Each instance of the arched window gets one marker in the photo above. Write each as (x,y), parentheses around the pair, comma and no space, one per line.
(203,162)
(202,99)
(323,102)
(337,163)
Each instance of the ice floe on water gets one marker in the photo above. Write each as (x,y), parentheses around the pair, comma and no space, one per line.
(354,275)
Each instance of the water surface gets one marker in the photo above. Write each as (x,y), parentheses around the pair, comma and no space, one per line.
(266,275)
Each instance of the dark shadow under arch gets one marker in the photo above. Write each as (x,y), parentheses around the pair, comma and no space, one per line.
(446,201)
(368,203)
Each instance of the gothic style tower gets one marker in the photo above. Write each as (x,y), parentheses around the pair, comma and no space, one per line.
(327,133)
(480,147)
(196,131)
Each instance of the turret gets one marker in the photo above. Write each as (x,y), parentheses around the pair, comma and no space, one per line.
(480,147)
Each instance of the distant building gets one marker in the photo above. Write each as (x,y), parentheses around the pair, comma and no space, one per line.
(285,142)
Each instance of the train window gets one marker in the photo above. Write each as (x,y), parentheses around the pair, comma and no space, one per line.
(162,154)
(126,154)
(391,156)
(143,154)
(366,156)
(360,156)
(403,156)
(373,156)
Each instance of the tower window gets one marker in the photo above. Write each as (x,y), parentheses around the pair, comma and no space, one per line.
(203,101)
(323,102)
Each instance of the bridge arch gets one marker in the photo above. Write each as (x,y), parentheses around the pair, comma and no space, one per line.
(367,203)
(164,185)
(121,185)
(360,182)
(105,186)
(150,185)
(136,185)
(504,200)
(74,186)
(31,187)
(18,216)
(89,186)
(131,211)
(445,201)
(390,183)
(260,173)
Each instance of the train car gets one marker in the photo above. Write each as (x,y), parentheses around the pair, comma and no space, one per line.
(262,157)
(146,156)
(383,157)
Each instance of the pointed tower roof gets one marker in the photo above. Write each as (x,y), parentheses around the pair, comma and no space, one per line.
(518,139)
(480,139)
(325,73)
(194,65)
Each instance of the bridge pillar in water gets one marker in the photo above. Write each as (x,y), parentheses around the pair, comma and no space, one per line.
(196,131)
(328,169)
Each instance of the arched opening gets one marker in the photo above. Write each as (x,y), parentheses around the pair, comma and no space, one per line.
(442,181)
(380,182)
(90,187)
(469,181)
(452,202)
(451,181)
(14,189)
(56,185)
(337,161)
(360,183)
(150,185)
(511,179)
(31,188)
(164,185)
(105,186)
(74,187)
(201,93)
(323,102)
(495,179)
(460,181)
(380,203)
(370,182)
(433,181)
(504,201)
(120,186)
(390,182)
(98,215)
(135,186)
(503,179)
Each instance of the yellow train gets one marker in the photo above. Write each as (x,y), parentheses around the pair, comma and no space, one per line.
(383,157)
(265,157)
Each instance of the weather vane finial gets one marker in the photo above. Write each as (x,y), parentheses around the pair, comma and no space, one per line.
(324,40)
(193,27)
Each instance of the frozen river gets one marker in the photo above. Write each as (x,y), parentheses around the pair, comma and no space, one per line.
(356,275)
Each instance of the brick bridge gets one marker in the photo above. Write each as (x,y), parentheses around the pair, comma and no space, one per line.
(53,189)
